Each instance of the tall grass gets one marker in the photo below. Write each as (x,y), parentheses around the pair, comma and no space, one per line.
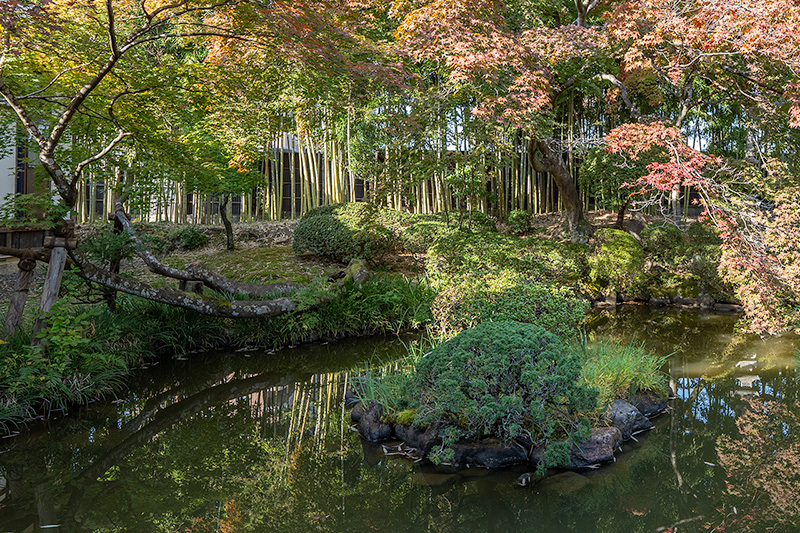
(617,370)
(390,383)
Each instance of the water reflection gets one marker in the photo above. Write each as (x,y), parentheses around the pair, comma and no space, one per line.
(236,443)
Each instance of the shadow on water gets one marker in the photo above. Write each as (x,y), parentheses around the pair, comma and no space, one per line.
(259,442)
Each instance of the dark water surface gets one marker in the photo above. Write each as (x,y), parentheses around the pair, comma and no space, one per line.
(256,442)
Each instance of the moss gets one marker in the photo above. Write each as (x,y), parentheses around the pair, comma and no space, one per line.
(258,264)
(405,417)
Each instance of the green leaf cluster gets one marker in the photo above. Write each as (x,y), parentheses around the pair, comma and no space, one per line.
(519,221)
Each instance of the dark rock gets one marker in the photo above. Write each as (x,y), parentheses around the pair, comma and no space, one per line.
(491,453)
(706,301)
(357,412)
(728,308)
(689,302)
(370,425)
(350,400)
(627,418)
(421,439)
(659,302)
(649,403)
(598,449)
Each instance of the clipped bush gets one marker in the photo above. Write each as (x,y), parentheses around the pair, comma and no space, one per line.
(504,379)
(464,302)
(618,259)
(343,232)
(519,221)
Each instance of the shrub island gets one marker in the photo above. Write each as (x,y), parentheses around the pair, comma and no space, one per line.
(508,392)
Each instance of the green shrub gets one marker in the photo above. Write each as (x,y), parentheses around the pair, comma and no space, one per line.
(505,379)
(343,232)
(466,301)
(519,221)
(661,241)
(618,260)
(102,244)
(464,252)
(190,237)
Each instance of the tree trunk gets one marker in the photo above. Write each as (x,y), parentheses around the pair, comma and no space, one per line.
(167,295)
(549,160)
(619,224)
(110,295)
(223,214)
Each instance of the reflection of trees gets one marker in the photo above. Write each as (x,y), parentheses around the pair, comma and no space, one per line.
(763,466)
(238,446)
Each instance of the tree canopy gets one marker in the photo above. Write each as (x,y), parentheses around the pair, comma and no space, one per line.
(435,104)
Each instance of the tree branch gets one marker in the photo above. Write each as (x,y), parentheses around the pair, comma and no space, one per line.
(174,297)
(624,92)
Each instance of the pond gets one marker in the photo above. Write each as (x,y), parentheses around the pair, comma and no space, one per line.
(248,441)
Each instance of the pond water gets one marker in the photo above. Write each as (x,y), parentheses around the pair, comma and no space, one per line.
(256,442)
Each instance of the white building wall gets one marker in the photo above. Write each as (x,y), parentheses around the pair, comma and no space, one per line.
(8,171)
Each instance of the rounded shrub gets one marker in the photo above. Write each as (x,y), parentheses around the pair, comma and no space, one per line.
(343,232)
(618,259)
(519,221)
(504,379)
(466,301)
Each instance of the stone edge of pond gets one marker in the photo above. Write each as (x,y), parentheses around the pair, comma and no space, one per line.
(704,302)
(626,420)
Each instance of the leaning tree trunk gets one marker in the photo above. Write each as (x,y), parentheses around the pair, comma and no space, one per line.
(544,158)
(223,214)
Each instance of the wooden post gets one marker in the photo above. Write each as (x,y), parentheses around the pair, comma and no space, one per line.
(52,284)
(17,306)
(55,271)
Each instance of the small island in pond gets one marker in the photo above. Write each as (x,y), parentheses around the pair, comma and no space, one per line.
(506,393)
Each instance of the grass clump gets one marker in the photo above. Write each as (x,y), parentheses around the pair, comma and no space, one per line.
(618,370)
(86,355)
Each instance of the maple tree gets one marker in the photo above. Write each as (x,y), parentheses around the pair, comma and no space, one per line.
(436,104)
